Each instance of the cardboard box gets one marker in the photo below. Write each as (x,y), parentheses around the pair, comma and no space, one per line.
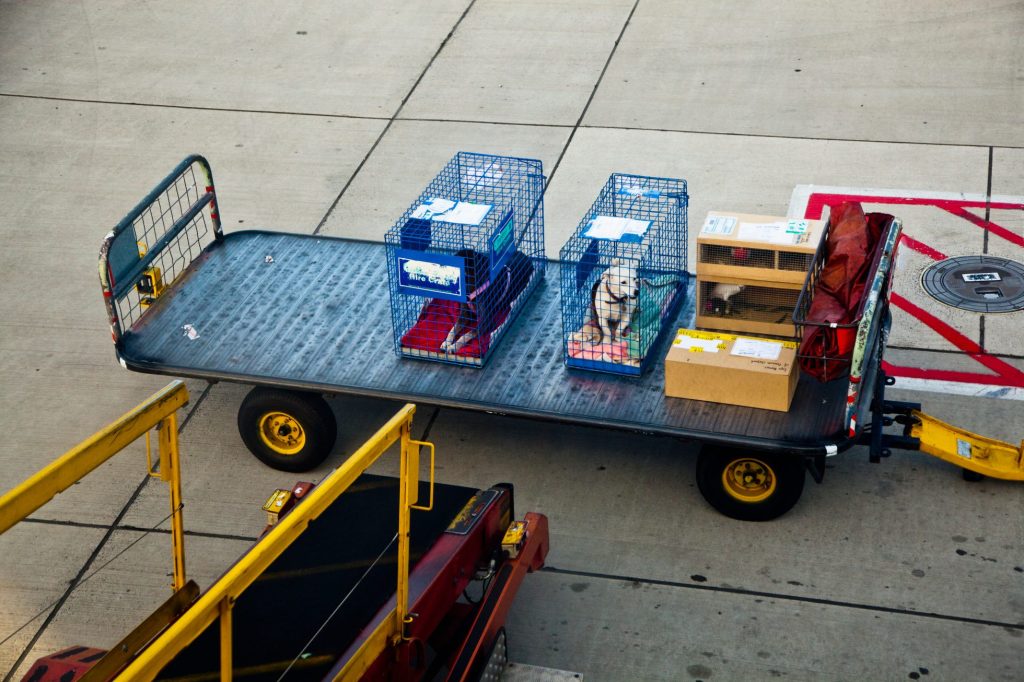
(746,305)
(757,247)
(736,370)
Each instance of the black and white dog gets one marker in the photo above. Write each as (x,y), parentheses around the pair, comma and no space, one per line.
(480,315)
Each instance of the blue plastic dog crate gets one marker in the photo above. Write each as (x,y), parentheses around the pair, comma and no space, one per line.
(623,274)
(465,256)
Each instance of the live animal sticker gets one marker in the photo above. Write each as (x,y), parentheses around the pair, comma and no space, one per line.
(700,342)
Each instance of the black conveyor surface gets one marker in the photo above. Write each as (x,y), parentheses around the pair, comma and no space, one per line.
(279,613)
(318,317)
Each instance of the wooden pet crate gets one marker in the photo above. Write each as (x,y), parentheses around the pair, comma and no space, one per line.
(746,305)
(757,247)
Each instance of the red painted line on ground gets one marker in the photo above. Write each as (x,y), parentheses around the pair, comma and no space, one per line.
(1002,205)
(1005,374)
(987,225)
(816,202)
(1004,370)
(921,247)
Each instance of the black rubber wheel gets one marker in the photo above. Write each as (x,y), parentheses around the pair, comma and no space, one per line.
(749,485)
(287,430)
(971,476)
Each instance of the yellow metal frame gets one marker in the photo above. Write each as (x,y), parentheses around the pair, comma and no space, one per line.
(988,456)
(159,411)
(218,601)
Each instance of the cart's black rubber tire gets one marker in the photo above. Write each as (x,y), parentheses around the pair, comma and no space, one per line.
(287,430)
(971,476)
(749,485)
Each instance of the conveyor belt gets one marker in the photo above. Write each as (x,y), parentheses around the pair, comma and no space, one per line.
(276,616)
(316,316)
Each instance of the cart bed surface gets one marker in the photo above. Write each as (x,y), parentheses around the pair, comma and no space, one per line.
(311,312)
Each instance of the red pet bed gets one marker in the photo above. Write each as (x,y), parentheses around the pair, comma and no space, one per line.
(435,322)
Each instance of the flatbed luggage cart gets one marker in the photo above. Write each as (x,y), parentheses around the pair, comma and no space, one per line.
(300,316)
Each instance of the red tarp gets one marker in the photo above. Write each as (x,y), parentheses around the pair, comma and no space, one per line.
(849,253)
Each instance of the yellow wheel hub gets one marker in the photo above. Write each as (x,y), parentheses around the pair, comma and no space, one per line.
(749,480)
(282,433)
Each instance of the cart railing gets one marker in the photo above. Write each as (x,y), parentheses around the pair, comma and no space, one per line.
(870,326)
(217,603)
(157,241)
(159,411)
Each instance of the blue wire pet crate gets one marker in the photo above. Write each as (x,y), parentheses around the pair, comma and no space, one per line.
(623,274)
(465,256)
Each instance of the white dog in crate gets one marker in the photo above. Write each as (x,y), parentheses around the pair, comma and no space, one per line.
(613,300)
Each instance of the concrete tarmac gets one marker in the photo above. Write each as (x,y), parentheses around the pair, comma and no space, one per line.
(331,117)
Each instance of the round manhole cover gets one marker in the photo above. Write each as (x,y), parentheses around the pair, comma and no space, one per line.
(981,284)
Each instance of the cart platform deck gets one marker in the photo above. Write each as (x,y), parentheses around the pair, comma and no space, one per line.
(312,313)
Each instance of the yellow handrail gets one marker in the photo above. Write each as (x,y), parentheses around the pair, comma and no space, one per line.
(219,599)
(158,410)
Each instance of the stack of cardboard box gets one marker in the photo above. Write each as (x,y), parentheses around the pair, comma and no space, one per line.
(750,269)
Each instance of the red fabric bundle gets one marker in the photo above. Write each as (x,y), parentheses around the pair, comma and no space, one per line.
(849,252)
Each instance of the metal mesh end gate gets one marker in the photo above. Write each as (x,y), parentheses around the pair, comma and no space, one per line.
(157,241)
(465,256)
(624,274)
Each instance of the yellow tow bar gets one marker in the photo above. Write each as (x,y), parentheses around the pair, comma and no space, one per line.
(988,456)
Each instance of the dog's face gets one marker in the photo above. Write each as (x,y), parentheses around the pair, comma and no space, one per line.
(622,280)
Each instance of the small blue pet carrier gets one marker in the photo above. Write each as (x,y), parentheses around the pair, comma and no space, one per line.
(624,274)
(465,256)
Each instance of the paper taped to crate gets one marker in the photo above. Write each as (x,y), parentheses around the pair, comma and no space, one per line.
(757,348)
(719,224)
(781,232)
(448,211)
(617,229)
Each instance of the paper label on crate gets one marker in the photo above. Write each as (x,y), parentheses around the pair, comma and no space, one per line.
(718,224)
(617,229)
(769,233)
(756,348)
(797,227)
(448,211)
(638,191)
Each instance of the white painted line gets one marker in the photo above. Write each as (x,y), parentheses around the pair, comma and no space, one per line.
(959,388)
(802,193)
